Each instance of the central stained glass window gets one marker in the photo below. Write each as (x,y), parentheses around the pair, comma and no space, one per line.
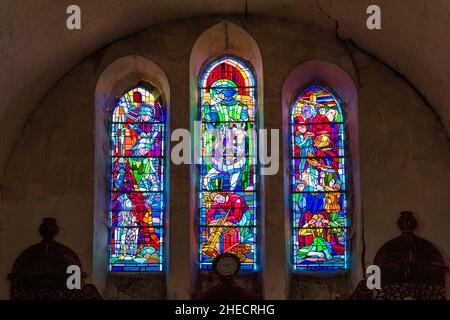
(228,172)
(137,204)
(318,182)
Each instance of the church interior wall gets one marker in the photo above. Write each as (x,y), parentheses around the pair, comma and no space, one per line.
(404,157)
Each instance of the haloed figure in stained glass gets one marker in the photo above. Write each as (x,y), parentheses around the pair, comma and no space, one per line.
(318,195)
(137,199)
(228,169)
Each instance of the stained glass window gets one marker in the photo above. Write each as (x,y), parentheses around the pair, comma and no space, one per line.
(136,216)
(228,175)
(318,182)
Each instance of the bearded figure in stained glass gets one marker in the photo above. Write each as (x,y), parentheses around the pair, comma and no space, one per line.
(126,232)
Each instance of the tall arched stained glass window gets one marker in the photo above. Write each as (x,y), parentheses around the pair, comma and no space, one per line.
(228,173)
(137,182)
(318,182)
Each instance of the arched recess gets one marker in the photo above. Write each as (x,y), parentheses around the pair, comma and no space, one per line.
(116,79)
(330,76)
(222,39)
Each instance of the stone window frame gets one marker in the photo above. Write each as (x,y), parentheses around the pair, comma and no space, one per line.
(224,39)
(123,73)
(339,82)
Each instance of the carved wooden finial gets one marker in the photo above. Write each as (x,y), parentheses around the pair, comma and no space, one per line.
(49,228)
(407,222)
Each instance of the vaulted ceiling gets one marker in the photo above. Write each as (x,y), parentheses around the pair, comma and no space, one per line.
(36,49)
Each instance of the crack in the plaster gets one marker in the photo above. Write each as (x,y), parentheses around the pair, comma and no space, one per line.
(98,57)
(11,152)
(363,245)
(348,43)
(424,9)
(67,184)
(344,41)
(50,136)
(243,18)
(421,96)
(246,9)
(352,57)
(358,75)
(246,13)
(60,196)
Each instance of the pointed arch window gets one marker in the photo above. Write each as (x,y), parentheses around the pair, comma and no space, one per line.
(228,173)
(319,189)
(137,180)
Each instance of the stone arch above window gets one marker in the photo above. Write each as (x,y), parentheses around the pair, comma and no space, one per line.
(228,199)
(318,160)
(132,107)
(226,60)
